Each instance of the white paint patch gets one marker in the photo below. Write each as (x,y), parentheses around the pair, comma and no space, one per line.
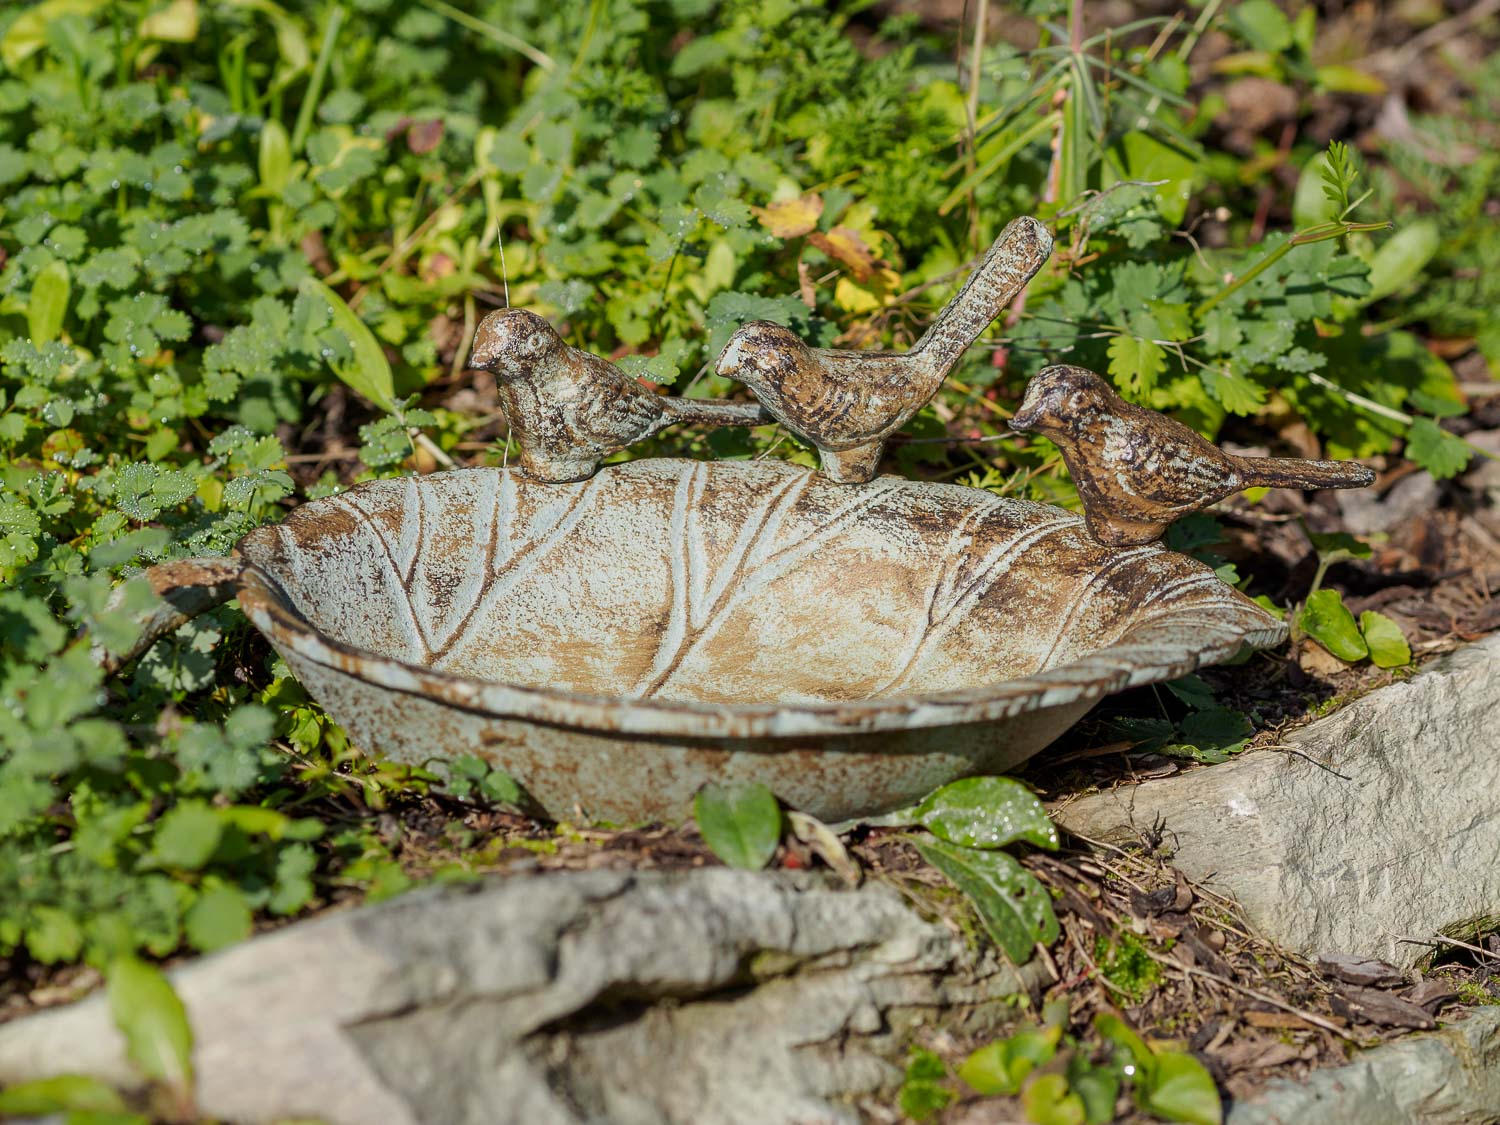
(1240,805)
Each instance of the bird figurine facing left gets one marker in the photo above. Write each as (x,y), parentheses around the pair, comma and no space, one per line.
(568,409)
(848,403)
(1138,471)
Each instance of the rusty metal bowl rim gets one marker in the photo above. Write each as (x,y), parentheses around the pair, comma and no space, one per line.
(1163,647)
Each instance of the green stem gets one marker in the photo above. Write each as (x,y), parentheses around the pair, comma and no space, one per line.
(1320,233)
(588,38)
(1317,582)
(661,306)
(1383,411)
(319,77)
(490,31)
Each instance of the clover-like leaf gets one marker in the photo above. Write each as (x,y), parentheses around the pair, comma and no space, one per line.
(1048,1101)
(1002,1066)
(1135,363)
(1442,454)
(220,916)
(1181,1089)
(187,835)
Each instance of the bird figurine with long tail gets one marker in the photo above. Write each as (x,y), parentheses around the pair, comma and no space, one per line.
(1138,471)
(848,403)
(568,409)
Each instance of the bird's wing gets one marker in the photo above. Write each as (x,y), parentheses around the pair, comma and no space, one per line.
(613,409)
(847,397)
(1181,471)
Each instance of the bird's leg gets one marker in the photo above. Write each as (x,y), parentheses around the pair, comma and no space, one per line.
(851,466)
(557,470)
(1116,531)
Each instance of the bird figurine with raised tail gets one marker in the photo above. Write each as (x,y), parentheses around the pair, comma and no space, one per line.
(848,403)
(1138,471)
(568,409)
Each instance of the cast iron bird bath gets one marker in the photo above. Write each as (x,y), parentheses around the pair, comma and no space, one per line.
(615,643)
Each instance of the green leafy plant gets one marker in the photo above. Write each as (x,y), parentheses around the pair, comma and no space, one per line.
(970,820)
(1062,1081)
(1002,1067)
(1171,1085)
(924,1091)
(1209,732)
(471,776)
(158,1042)
(1326,619)
(741,823)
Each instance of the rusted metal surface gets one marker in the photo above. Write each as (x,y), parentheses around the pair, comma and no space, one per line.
(1138,471)
(616,643)
(568,408)
(848,403)
(187,588)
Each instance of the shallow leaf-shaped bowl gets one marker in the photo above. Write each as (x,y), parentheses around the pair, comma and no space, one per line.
(616,643)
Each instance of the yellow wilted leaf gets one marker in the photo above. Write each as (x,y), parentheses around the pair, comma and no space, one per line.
(846,246)
(790,218)
(859,297)
(177,22)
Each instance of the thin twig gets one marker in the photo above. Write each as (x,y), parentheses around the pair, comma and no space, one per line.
(1399,58)
(1439,939)
(490,31)
(951,440)
(1256,994)
(1285,749)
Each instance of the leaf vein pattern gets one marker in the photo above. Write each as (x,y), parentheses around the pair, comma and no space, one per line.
(949,607)
(515,565)
(731,580)
(371,525)
(1086,595)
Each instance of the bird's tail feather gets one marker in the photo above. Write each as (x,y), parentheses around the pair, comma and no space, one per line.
(1292,472)
(706,412)
(1011,261)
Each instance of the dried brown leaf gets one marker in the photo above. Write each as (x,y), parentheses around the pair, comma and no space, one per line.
(849,247)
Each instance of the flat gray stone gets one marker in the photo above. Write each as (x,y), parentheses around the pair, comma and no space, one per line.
(708,995)
(1365,513)
(1448,1077)
(1384,823)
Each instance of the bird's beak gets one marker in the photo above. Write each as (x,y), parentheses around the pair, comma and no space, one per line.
(484,357)
(729,360)
(1023,421)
